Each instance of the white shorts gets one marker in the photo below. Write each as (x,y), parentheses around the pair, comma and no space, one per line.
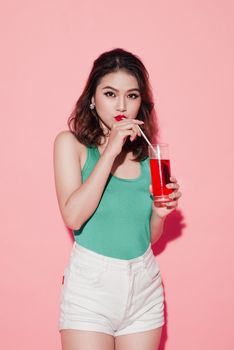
(109,295)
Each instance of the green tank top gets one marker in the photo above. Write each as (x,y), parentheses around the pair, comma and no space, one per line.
(120,226)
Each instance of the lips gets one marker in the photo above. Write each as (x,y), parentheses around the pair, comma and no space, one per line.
(120,117)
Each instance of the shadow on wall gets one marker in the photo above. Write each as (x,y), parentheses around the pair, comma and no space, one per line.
(173,227)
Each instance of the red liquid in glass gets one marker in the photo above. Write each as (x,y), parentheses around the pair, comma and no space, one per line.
(160,175)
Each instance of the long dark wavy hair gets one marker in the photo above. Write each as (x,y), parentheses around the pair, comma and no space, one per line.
(84,122)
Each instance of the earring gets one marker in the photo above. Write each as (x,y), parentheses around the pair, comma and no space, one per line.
(92,106)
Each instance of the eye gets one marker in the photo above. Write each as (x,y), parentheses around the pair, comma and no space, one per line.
(133,96)
(109,94)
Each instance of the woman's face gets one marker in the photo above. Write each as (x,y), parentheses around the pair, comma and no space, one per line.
(117,93)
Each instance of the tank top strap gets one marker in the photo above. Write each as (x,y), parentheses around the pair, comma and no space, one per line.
(93,153)
(145,165)
(92,156)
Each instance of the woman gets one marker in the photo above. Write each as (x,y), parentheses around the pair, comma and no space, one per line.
(112,296)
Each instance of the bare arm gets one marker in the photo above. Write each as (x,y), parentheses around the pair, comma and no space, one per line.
(156,226)
(77,200)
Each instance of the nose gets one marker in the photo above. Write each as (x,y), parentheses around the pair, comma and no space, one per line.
(121,104)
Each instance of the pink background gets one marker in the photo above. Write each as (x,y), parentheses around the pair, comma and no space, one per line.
(47,52)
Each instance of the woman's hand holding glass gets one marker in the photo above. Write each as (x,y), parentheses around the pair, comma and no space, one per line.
(171,205)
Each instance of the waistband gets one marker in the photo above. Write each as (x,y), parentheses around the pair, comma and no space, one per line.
(90,257)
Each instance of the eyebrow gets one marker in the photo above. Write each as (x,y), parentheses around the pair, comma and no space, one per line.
(110,87)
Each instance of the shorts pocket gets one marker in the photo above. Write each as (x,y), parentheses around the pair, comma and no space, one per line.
(86,275)
(63,284)
(152,271)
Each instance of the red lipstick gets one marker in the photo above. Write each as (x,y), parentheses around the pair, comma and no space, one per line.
(120,117)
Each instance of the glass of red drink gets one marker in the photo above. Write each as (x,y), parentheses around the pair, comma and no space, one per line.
(160,173)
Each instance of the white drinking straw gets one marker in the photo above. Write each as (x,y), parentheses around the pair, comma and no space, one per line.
(145,137)
(147,140)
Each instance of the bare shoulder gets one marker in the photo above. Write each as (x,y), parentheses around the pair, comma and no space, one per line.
(66,141)
(67,153)
(66,138)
